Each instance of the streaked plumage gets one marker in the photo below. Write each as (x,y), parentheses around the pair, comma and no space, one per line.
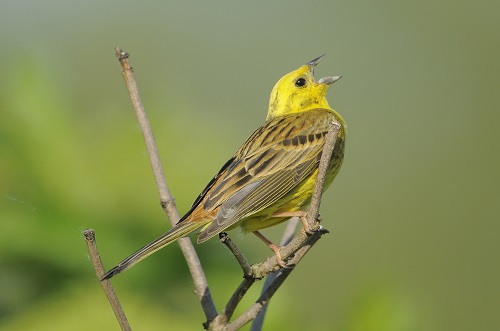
(273,172)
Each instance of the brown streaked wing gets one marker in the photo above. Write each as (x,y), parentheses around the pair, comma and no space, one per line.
(206,190)
(270,164)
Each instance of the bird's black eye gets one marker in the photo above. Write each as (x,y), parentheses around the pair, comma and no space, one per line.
(300,82)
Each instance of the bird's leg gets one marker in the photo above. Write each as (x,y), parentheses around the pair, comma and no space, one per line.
(275,248)
(300,214)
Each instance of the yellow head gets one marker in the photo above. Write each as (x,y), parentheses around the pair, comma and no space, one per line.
(298,91)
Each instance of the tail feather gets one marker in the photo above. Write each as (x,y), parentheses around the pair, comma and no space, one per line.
(180,230)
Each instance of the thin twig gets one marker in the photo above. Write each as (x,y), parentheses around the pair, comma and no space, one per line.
(147,132)
(95,258)
(245,266)
(166,199)
(331,139)
(269,291)
(223,319)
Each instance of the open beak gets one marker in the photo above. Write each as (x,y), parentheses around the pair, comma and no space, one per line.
(329,80)
(324,80)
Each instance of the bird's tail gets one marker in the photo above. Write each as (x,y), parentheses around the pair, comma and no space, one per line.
(180,230)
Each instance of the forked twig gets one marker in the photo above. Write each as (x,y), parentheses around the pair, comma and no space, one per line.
(252,312)
(222,320)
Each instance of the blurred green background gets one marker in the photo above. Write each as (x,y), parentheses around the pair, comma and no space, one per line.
(413,214)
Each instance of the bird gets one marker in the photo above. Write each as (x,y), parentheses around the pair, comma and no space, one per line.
(271,177)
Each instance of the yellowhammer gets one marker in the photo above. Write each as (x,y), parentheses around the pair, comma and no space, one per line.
(272,175)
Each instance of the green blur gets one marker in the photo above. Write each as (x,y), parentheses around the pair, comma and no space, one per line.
(413,214)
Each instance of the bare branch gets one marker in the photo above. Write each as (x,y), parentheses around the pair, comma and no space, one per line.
(147,132)
(333,131)
(270,290)
(223,319)
(245,266)
(166,199)
(95,258)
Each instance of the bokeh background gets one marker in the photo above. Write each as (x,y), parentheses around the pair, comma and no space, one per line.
(413,214)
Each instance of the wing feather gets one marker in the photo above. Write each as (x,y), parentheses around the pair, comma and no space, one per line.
(274,160)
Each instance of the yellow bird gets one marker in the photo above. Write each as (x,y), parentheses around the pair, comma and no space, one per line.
(272,175)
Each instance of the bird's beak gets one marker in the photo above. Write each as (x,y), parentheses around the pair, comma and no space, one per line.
(314,62)
(324,80)
(329,80)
